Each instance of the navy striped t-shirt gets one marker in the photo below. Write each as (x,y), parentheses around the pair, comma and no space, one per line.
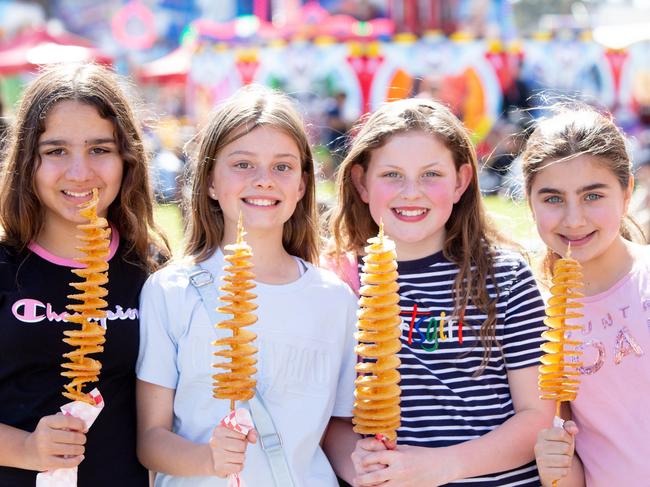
(442,404)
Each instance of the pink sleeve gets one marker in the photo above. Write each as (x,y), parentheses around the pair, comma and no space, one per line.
(345,267)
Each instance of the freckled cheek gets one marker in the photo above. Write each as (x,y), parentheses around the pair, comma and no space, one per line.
(224,190)
(382,191)
(226,183)
(288,183)
(379,204)
(439,194)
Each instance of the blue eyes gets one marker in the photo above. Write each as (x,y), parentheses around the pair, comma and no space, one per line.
(395,174)
(587,197)
(280,167)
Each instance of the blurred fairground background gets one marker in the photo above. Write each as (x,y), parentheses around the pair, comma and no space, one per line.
(496,63)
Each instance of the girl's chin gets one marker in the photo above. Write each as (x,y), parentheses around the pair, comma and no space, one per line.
(416,247)
(579,254)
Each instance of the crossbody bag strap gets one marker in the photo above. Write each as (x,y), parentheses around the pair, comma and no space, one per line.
(270,441)
(269,438)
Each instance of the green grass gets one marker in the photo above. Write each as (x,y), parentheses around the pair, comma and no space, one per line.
(169,219)
(512,218)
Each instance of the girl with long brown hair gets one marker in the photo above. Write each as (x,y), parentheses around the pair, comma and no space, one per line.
(472,313)
(75,131)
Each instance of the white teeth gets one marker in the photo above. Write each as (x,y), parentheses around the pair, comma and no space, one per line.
(77,195)
(260,202)
(410,212)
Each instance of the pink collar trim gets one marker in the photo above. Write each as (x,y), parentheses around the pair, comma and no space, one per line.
(50,257)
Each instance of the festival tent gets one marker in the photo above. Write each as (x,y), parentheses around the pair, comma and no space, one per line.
(172,68)
(38,47)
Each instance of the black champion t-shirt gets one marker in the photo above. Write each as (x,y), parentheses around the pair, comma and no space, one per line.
(33,298)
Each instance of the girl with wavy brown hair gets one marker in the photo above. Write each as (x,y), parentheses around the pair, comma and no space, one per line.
(74,132)
(471,311)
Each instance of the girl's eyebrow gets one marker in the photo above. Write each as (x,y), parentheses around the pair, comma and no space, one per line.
(108,140)
(584,189)
(591,187)
(393,166)
(253,154)
(549,191)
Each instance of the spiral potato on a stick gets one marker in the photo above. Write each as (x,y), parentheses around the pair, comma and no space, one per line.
(377,393)
(90,338)
(558,376)
(237,384)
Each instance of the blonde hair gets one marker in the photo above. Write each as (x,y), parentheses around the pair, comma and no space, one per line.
(469,241)
(250,107)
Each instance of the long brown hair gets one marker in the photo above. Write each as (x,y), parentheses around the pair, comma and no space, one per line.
(21,211)
(575,129)
(250,107)
(470,240)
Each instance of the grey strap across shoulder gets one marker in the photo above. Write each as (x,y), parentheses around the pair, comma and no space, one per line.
(270,440)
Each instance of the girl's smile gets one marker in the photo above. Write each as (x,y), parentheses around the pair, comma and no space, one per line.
(581,203)
(577,241)
(77,152)
(259,174)
(260,202)
(410,214)
(411,183)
